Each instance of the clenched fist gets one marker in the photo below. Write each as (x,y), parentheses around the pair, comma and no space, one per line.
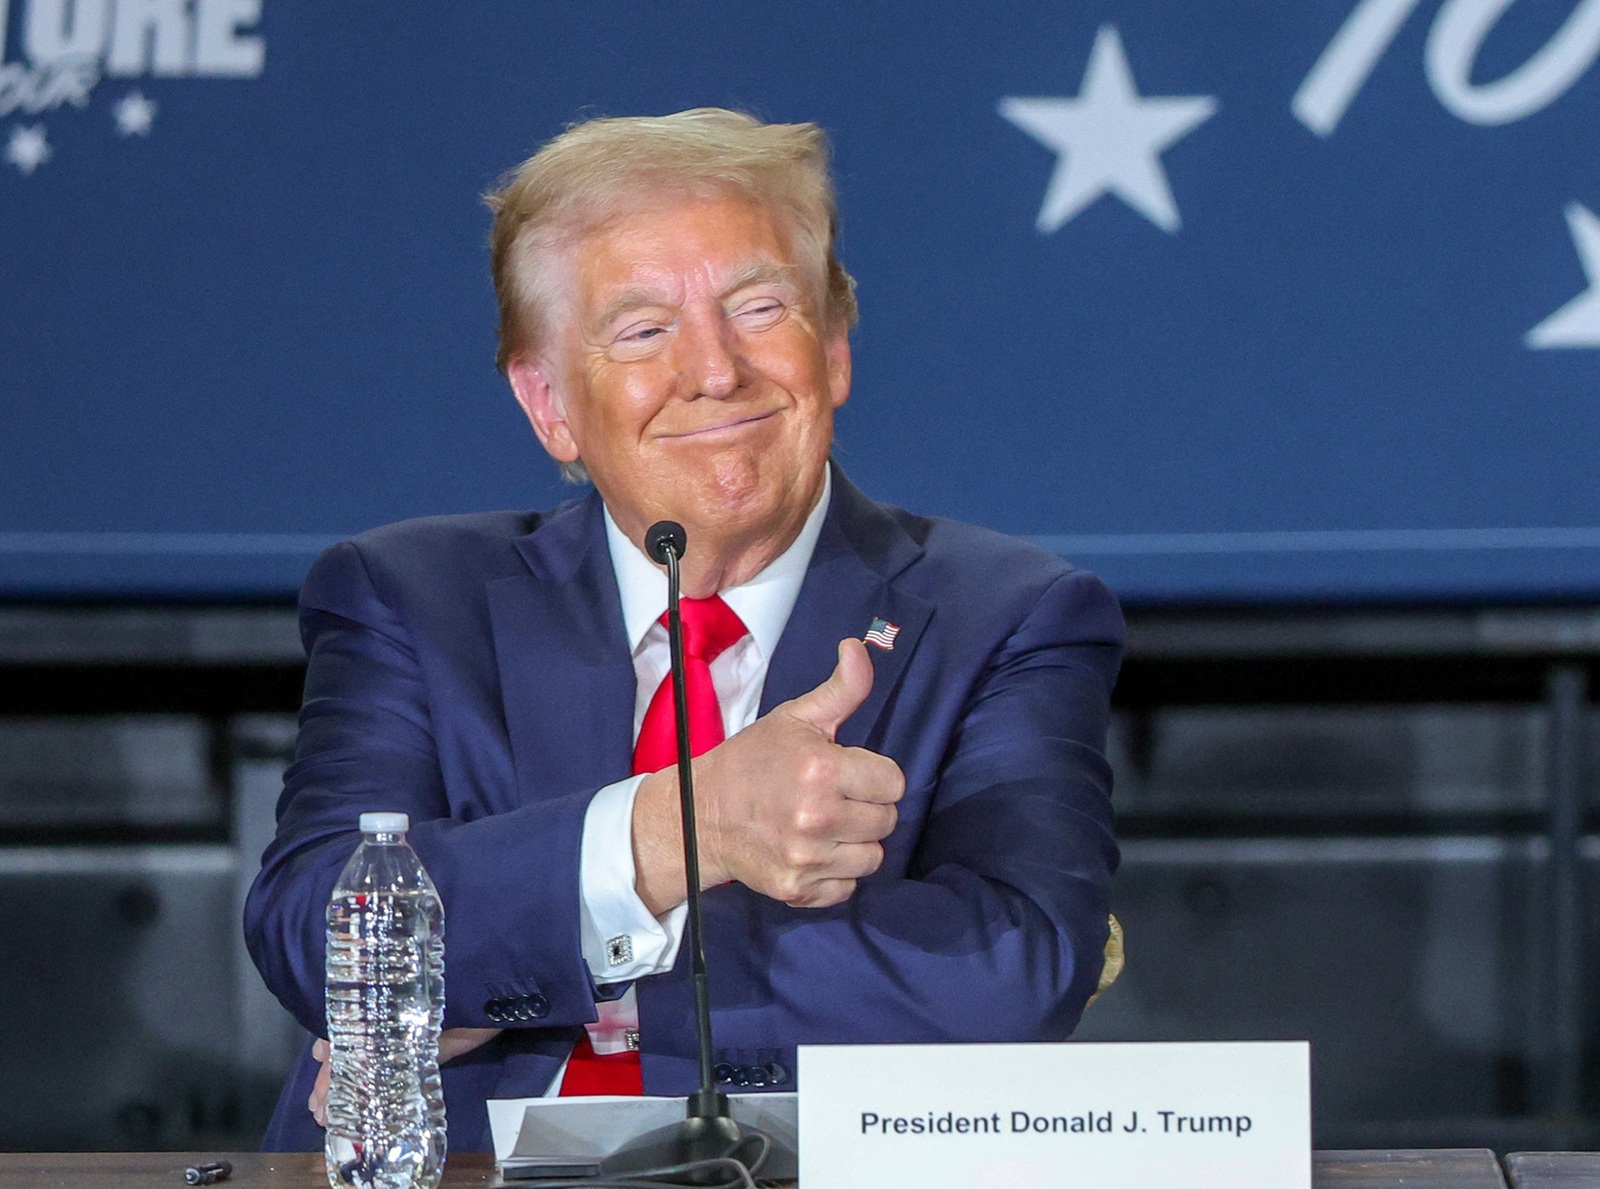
(780,807)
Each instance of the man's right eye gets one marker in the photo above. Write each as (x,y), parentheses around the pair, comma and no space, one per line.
(641,334)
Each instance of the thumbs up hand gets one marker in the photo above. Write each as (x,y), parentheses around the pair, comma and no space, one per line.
(836,699)
(780,807)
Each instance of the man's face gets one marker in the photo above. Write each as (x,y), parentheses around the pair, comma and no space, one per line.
(692,376)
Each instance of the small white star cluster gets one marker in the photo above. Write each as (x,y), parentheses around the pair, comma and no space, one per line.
(28,146)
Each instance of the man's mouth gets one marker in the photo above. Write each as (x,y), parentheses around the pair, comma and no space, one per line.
(730,426)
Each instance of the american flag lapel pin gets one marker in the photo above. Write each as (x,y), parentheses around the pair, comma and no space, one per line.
(881,633)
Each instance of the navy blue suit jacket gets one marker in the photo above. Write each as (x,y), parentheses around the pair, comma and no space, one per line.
(473,672)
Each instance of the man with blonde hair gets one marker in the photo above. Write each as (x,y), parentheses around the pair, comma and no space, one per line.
(899,722)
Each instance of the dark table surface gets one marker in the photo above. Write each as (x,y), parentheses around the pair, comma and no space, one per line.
(164,1170)
(1455,1169)
(1535,1170)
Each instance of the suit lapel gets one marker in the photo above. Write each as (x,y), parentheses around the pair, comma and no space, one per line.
(563,657)
(849,583)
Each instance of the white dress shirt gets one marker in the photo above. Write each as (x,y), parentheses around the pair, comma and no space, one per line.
(622,940)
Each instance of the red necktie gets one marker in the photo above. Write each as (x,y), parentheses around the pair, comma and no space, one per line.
(710,627)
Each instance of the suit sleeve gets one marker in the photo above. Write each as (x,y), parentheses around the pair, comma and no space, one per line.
(994,928)
(508,881)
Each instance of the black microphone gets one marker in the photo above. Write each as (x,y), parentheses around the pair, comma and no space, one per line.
(663,537)
(708,1133)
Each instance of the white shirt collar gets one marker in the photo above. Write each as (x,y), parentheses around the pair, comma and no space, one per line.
(763,603)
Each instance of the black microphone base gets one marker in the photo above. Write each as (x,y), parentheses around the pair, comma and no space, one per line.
(667,1149)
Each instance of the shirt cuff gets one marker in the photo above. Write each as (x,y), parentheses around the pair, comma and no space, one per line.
(622,941)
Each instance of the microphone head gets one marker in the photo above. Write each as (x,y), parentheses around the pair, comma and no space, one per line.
(662,536)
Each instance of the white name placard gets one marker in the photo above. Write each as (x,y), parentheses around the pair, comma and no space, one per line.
(1106,1116)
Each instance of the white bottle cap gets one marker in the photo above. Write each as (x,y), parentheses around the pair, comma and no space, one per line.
(385,823)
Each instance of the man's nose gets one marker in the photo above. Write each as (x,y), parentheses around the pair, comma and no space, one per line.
(710,360)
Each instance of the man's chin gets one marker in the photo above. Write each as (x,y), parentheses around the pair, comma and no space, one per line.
(733,515)
(725,497)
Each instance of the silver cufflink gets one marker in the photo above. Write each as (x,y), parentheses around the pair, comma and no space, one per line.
(619,951)
(632,1038)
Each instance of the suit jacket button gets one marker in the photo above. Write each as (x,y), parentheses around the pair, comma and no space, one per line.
(757,1075)
(741,1075)
(777,1074)
(495,1009)
(538,1006)
(723,1072)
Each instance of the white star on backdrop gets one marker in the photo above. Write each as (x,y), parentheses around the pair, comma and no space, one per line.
(134,114)
(28,149)
(1110,139)
(1576,324)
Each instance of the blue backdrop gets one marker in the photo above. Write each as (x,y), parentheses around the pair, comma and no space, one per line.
(1236,300)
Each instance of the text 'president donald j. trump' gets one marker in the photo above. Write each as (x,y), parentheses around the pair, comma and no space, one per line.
(903,801)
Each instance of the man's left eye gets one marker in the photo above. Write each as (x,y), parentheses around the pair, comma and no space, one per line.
(760,311)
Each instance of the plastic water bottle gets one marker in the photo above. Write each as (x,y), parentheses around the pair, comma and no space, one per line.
(385,993)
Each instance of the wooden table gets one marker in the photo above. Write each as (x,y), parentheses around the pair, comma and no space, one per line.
(1464,1169)
(1457,1168)
(164,1170)
(1535,1170)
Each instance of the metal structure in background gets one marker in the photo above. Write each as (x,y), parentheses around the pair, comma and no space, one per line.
(1372,829)
(1566,705)
(1368,828)
(140,756)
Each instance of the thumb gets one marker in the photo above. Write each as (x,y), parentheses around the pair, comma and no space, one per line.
(836,699)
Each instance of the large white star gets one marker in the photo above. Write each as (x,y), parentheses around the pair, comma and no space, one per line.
(1576,324)
(134,114)
(1110,139)
(28,149)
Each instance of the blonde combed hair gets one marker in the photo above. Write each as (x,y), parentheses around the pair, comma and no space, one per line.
(602,169)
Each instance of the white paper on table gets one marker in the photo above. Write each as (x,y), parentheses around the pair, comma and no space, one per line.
(592,1127)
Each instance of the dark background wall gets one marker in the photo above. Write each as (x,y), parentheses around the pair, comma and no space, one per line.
(1281,317)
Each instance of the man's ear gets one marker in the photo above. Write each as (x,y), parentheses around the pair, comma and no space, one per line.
(531,380)
(837,350)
